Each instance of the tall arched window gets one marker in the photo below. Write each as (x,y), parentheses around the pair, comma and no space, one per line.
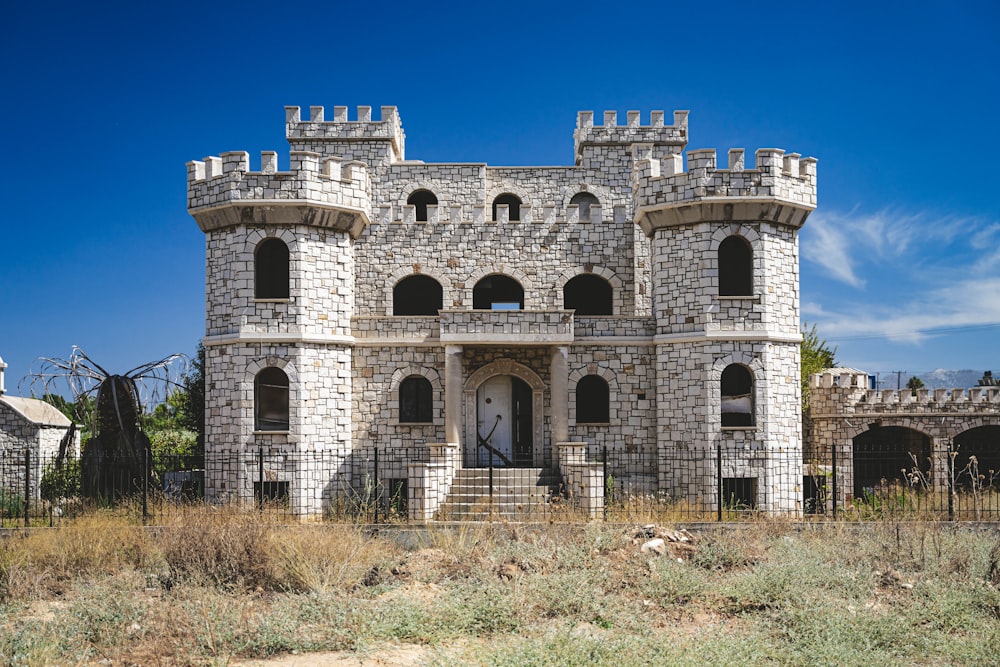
(270,399)
(498,292)
(737,396)
(592,400)
(416,400)
(735,267)
(271,269)
(513,205)
(588,294)
(420,199)
(584,200)
(416,295)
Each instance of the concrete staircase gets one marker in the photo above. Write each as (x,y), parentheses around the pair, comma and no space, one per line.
(521,494)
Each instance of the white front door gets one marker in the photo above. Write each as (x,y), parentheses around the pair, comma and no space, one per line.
(494,422)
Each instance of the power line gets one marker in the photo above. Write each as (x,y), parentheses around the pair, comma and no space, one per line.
(920,332)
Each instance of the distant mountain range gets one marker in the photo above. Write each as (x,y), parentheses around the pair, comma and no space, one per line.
(938,379)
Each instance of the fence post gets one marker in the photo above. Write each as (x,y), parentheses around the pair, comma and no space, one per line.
(378,490)
(951,483)
(145,485)
(834,466)
(491,485)
(260,478)
(604,472)
(718,481)
(27,486)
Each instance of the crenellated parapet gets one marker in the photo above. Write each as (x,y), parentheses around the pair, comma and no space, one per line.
(444,213)
(632,132)
(843,392)
(316,129)
(780,189)
(316,190)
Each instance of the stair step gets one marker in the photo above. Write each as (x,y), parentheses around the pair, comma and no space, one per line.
(516,491)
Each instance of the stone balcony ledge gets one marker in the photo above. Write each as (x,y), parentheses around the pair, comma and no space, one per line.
(507,327)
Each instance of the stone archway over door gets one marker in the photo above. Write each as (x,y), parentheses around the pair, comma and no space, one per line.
(522,410)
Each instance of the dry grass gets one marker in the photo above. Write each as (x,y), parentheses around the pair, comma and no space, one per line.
(221,585)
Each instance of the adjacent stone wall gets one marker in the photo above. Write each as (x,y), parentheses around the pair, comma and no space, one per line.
(843,407)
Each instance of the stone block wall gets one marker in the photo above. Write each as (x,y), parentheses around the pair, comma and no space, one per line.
(686,290)
(321,288)
(341,210)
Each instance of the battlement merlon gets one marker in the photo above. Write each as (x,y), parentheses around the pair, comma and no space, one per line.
(611,133)
(835,393)
(316,190)
(316,129)
(781,189)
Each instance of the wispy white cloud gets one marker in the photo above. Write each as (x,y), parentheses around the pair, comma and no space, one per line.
(913,275)
(826,245)
(845,245)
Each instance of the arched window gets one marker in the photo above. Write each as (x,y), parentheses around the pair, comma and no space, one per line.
(735,267)
(737,396)
(416,400)
(271,269)
(270,399)
(588,294)
(498,292)
(584,200)
(592,398)
(420,199)
(513,203)
(416,295)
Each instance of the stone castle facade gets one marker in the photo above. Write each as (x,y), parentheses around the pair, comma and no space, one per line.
(457,316)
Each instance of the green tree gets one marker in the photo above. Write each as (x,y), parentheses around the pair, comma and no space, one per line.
(913,384)
(194,408)
(176,427)
(816,356)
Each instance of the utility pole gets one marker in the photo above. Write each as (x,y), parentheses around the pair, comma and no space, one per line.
(899,378)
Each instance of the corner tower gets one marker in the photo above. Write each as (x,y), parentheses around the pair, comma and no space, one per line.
(724,256)
(279,299)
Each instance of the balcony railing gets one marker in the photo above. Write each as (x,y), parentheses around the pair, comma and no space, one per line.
(506,327)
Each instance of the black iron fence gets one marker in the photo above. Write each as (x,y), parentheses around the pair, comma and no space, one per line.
(715,482)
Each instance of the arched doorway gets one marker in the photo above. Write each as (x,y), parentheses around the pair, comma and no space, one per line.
(886,455)
(504,422)
(977,455)
(516,394)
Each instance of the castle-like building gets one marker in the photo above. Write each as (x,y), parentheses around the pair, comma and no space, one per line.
(461,315)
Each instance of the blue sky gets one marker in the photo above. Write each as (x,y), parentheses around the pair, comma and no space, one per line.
(107,101)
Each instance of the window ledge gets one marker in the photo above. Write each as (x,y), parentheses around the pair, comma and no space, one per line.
(272,432)
(415,424)
(751,297)
(288,300)
(579,423)
(738,428)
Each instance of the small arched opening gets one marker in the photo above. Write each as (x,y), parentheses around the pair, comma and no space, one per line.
(420,200)
(593,400)
(737,392)
(584,200)
(271,400)
(498,292)
(417,295)
(271,269)
(588,294)
(416,400)
(513,203)
(735,267)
